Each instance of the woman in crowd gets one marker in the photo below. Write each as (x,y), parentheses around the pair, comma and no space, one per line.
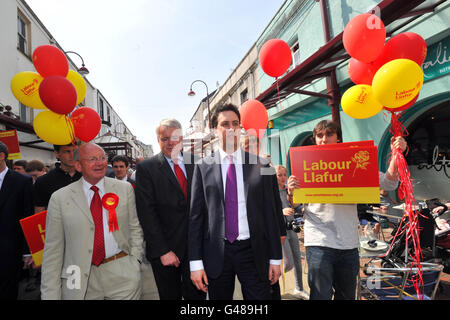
(291,246)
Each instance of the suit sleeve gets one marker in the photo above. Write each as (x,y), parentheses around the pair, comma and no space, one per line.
(272,215)
(52,260)
(146,205)
(136,234)
(28,207)
(278,207)
(197,216)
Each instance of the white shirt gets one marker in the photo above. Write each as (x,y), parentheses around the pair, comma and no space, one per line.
(336,225)
(244,231)
(2,176)
(111,246)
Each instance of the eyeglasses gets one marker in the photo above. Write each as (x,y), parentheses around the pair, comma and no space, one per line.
(95,159)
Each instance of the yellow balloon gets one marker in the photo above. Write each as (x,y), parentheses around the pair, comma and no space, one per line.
(78,82)
(25,87)
(53,128)
(359,102)
(397,82)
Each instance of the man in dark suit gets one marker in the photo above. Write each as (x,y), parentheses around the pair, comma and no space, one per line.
(162,190)
(16,202)
(120,167)
(233,223)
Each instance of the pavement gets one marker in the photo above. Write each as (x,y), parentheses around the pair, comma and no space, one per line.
(287,280)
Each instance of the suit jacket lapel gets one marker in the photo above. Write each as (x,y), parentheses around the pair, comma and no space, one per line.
(246,170)
(110,187)
(79,198)
(216,167)
(189,165)
(7,187)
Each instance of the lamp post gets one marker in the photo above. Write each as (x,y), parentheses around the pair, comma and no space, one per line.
(82,69)
(191,93)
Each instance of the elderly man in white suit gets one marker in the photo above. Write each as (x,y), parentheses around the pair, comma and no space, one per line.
(83,258)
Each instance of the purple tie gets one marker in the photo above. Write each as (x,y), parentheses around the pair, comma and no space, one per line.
(231,203)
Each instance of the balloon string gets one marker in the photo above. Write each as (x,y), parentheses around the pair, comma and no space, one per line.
(279,98)
(71,129)
(281,117)
(409,225)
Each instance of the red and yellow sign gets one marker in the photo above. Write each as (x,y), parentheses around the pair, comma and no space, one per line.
(336,173)
(11,140)
(34,229)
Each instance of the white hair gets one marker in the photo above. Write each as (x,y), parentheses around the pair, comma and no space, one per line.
(169,123)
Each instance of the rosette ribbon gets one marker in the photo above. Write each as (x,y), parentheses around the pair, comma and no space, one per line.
(110,202)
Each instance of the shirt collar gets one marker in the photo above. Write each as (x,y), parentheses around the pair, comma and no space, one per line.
(3,173)
(237,156)
(180,158)
(100,185)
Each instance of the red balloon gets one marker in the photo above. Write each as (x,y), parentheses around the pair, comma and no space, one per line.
(406,45)
(86,123)
(404,107)
(275,57)
(58,94)
(364,37)
(50,61)
(360,72)
(254,117)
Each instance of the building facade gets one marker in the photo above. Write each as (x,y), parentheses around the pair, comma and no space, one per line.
(21,32)
(316,27)
(241,85)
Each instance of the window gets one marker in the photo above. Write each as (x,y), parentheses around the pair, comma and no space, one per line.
(295,49)
(100,109)
(428,156)
(244,95)
(26,114)
(108,115)
(23,33)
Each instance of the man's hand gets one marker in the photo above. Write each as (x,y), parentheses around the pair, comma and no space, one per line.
(274,273)
(398,143)
(288,211)
(28,262)
(170,259)
(292,184)
(199,279)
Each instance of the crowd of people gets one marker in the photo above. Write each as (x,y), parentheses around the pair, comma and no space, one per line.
(199,222)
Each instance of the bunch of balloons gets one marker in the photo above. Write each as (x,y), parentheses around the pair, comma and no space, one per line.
(386,75)
(58,90)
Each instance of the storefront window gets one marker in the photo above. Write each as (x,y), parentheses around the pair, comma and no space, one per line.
(429,153)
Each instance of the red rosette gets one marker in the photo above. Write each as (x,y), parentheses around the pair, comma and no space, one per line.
(110,202)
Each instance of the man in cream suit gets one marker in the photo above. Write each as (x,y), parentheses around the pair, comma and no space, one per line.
(82,258)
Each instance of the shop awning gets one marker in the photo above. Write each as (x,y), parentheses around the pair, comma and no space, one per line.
(395,15)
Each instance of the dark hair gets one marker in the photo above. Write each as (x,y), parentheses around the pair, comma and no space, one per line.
(225,107)
(34,165)
(56,147)
(330,126)
(111,155)
(4,149)
(20,163)
(119,157)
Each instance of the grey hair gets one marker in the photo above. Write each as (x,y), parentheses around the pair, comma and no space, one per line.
(169,123)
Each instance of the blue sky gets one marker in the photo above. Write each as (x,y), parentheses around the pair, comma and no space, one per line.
(143,54)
